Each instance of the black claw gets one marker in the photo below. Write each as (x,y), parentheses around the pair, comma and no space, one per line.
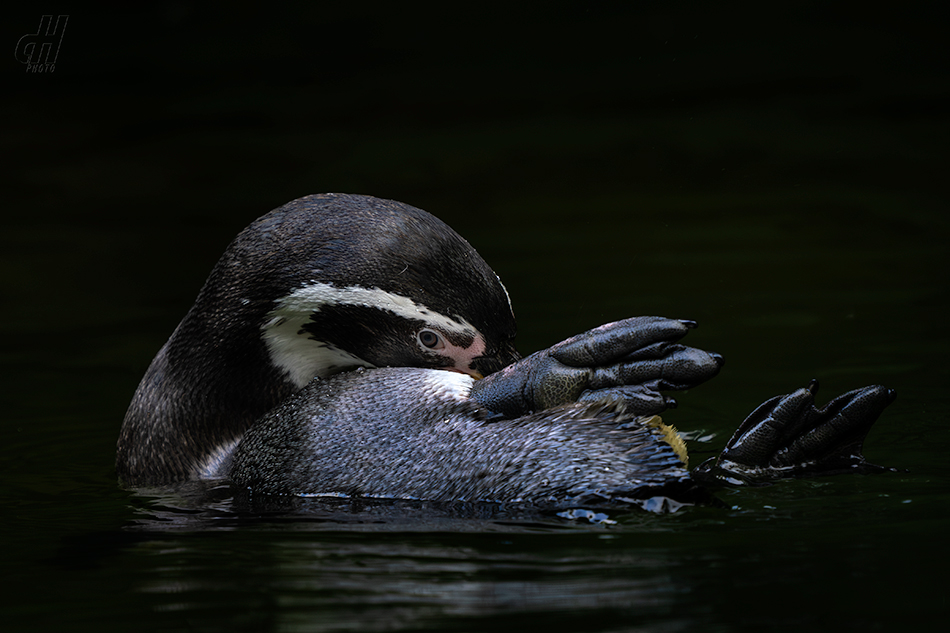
(718,358)
(813,386)
(671,403)
(689,323)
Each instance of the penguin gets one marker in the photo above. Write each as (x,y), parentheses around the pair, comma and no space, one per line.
(321,285)
(347,345)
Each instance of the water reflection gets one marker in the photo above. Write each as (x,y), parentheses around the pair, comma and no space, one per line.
(205,556)
(218,504)
(307,564)
(344,584)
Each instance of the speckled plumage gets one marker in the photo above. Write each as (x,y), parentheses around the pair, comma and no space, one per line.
(433,442)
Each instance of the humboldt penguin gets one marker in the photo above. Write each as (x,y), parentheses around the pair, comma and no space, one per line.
(346,345)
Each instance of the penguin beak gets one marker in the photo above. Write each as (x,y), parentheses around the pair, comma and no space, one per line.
(487,364)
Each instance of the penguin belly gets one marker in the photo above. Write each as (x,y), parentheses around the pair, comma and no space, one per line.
(412,433)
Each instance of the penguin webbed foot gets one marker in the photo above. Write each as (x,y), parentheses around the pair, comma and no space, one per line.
(630,361)
(788,436)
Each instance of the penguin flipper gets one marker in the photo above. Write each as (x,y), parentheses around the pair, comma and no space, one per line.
(629,361)
(787,436)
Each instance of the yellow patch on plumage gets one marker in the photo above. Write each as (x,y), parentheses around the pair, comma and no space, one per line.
(670,435)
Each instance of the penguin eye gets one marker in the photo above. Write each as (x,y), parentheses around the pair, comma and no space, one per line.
(430,339)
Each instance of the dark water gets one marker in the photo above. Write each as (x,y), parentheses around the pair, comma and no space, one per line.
(780,177)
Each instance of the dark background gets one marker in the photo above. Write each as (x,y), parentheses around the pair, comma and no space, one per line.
(776,172)
(663,131)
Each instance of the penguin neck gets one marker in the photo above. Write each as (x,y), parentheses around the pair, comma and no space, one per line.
(209,383)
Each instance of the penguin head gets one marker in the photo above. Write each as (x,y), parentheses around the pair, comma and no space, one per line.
(332,282)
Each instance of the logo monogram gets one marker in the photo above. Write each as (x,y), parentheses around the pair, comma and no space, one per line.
(39,50)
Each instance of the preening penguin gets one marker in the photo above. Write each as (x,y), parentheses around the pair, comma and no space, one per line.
(347,345)
(321,285)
